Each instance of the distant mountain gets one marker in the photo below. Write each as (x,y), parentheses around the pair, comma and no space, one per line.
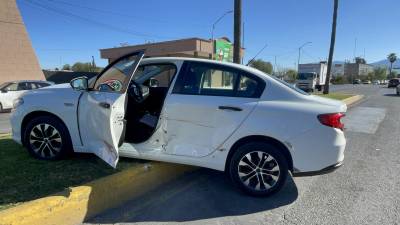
(386,63)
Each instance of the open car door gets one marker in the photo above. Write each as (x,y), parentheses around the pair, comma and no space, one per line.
(101,110)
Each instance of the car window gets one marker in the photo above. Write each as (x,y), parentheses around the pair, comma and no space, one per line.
(211,79)
(161,74)
(41,85)
(248,87)
(34,86)
(115,78)
(11,87)
(24,86)
(206,79)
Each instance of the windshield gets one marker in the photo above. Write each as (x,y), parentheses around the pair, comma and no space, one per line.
(291,86)
(306,76)
(3,85)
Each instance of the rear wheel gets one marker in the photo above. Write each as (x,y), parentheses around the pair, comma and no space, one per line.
(397,93)
(47,138)
(1,108)
(258,169)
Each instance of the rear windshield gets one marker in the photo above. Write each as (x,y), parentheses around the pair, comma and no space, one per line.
(291,86)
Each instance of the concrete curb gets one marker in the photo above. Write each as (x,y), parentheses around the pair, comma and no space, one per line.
(77,204)
(352,100)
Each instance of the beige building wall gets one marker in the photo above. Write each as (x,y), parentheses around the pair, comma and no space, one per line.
(17,58)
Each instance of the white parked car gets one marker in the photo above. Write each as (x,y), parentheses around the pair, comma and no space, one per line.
(12,90)
(198,112)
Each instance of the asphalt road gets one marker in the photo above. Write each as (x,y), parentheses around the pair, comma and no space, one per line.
(364,191)
(5,126)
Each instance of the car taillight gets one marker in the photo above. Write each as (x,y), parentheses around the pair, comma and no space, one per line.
(332,120)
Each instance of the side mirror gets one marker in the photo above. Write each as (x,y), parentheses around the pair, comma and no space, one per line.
(153,83)
(80,84)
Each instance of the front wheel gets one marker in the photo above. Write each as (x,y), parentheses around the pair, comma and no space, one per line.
(47,138)
(258,169)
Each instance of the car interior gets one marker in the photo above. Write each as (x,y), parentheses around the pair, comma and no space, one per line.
(146,94)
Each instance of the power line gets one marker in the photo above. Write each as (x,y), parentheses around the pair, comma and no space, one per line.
(100,24)
(115,13)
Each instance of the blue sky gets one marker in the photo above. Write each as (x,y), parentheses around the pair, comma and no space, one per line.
(283,24)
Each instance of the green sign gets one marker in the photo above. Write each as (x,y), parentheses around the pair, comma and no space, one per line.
(223,51)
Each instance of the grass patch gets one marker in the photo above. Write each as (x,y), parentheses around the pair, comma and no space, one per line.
(336,95)
(23,178)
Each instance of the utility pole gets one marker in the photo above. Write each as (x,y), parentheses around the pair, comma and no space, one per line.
(242,39)
(237,33)
(332,46)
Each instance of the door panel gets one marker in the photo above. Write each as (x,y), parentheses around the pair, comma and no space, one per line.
(102,110)
(197,126)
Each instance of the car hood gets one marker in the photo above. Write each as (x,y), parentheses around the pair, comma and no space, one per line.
(59,92)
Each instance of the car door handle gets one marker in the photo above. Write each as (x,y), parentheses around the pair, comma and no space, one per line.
(231,108)
(104,105)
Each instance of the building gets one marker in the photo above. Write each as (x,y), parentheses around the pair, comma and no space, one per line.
(17,58)
(337,70)
(220,49)
(355,70)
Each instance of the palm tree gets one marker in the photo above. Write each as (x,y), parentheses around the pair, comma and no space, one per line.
(391,58)
(332,47)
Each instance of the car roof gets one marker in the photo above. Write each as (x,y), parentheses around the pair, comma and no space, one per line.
(229,64)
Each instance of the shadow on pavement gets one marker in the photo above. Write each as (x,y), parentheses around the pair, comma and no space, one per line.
(203,194)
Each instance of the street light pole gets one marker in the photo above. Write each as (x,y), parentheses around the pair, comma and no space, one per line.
(298,60)
(213,28)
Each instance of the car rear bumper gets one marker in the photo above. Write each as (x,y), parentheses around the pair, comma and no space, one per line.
(325,170)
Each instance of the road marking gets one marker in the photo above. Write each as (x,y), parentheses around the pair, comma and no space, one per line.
(364,119)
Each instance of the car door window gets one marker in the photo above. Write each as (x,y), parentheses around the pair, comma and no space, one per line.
(116,77)
(206,79)
(216,80)
(24,86)
(161,75)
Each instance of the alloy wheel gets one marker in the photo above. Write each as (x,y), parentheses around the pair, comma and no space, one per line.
(258,170)
(45,140)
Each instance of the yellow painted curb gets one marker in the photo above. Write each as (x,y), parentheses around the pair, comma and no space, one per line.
(350,101)
(75,205)
(4,135)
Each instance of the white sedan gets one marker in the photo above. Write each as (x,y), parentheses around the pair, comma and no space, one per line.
(10,91)
(198,112)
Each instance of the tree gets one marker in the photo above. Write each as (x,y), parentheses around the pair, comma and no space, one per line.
(332,46)
(262,65)
(379,73)
(360,60)
(85,67)
(391,58)
(66,67)
(291,75)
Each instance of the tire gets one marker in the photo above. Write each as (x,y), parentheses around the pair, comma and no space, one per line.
(47,138)
(249,177)
(397,93)
(1,108)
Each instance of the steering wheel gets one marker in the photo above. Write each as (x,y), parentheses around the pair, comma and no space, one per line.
(138,92)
